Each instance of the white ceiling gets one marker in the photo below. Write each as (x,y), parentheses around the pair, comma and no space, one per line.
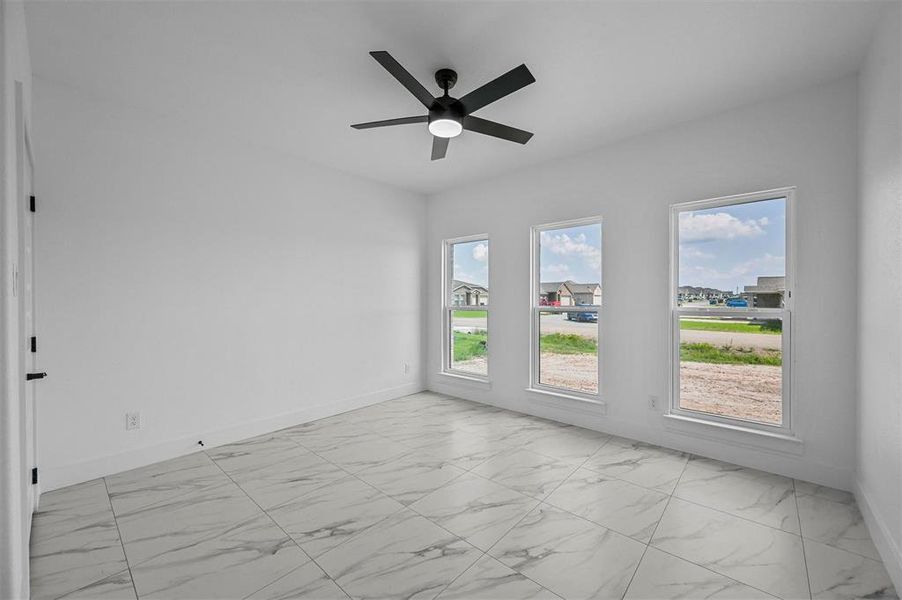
(291,76)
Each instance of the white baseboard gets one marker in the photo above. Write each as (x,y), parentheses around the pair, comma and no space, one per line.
(887,546)
(61,476)
(653,432)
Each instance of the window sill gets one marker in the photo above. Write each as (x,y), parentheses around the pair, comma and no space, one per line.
(734,433)
(599,405)
(480,382)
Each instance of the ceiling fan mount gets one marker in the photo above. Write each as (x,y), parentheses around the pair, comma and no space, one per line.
(446,78)
(447,117)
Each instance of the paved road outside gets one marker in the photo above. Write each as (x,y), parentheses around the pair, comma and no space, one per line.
(555,323)
(758,341)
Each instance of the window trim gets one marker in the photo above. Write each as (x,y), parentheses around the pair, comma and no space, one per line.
(535,311)
(790,420)
(447,306)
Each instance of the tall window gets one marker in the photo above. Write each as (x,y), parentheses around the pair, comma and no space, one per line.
(731,301)
(566,298)
(466,306)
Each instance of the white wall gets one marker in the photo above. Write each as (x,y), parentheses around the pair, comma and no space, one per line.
(879,484)
(221,290)
(15,480)
(807,139)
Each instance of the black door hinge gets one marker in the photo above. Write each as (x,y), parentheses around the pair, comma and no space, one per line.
(34,343)
(34,476)
(31,203)
(33,376)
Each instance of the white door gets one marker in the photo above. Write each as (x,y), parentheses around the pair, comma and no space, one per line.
(29,377)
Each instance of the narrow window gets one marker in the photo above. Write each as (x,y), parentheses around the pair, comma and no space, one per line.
(731,300)
(466,307)
(566,299)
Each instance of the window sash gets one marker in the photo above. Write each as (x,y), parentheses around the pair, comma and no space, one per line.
(448,307)
(783,313)
(537,309)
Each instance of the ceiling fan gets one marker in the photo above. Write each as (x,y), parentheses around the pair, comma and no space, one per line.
(448,116)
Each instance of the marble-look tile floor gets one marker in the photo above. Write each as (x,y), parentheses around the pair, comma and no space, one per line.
(429,496)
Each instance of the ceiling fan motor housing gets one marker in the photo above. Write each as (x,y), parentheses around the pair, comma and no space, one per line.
(447,107)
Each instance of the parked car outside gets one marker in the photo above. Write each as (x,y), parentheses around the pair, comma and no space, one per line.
(737,303)
(582,317)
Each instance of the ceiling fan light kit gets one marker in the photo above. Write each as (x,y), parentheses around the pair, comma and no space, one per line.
(448,116)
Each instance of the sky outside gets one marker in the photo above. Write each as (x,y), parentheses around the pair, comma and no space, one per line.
(572,253)
(727,248)
(471,262)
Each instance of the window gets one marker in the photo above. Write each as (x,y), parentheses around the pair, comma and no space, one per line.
(566,298)
(466,307)
(731,300)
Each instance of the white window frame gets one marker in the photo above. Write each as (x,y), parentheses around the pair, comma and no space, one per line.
(536,309)
(448,307)
(785,313)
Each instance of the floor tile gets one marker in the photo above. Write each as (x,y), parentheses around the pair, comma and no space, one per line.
(74,540)
(156,530)
(284,481)
(571,444)
(234,564)
(639,463)
(463,453)
(662,575)
(805,488)
(115,587)
(761,497)
(245,457)
(163,481)
(527,472)
(476,509)
(839,524)
(760,556)
(330,515)
(84,551)
(839,574)
(488,579)
(411,476)
(405,556)
(308,582)
(564,553)
(619,505)
(363,452)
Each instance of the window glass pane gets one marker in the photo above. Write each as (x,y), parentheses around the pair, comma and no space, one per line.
(470,279)
(732,367)
(570,266)
(568,350)
(469,341)
(733,256)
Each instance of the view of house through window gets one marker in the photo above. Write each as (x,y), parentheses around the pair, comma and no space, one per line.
(566,306)
(466,306)
(730,312)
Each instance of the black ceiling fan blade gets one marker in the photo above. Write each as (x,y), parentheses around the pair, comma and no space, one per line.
(497,88)
(407,80)
(389,122)
(439,147)
(505,132)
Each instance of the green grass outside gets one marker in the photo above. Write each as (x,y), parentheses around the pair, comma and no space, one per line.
(469,345)
(727,355)
(568,343)
(767,327)
(472,345)
(469,314)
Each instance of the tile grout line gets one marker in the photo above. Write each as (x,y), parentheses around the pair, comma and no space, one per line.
(655,530)
(121,542)
(293,541)
(795,498)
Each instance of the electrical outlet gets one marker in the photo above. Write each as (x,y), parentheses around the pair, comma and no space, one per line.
(653,402)
(406,368)
(132,421)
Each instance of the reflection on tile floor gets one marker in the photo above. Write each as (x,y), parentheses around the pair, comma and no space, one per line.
(429,496)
